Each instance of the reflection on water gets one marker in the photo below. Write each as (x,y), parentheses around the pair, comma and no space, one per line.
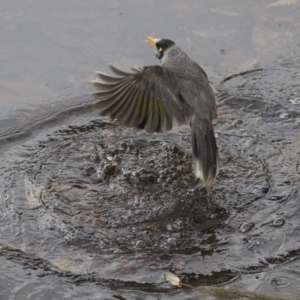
(92,210)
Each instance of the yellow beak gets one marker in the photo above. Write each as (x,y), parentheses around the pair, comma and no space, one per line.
(150,40)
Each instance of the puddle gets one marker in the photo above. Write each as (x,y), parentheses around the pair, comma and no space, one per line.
(95,203)
(93,210)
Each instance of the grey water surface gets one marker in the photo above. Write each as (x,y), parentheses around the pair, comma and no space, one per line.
(93,210)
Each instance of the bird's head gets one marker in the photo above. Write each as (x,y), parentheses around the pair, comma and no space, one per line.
(160,46)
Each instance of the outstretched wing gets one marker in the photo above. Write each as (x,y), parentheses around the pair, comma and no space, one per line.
(148,98)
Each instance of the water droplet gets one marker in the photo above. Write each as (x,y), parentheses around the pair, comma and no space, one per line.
(215,216)
(284,115)
(153,267)
(115,225)
(237,122)
(295,101)
(278,222)
(245,227)
(169,227)
(171,241)
(140,244)
(248,143)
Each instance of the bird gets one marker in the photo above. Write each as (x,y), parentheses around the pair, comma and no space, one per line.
(158,98)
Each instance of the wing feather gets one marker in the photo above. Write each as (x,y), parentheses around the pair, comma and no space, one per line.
(106,77)
(135,119)
(146,98)
(125,110)
(118,71)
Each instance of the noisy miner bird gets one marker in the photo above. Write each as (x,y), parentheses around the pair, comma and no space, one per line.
(157,98)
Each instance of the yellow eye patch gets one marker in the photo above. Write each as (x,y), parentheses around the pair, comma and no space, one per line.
(160,49)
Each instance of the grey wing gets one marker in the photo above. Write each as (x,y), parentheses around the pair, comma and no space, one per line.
(147,98)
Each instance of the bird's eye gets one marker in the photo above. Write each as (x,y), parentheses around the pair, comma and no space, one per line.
(160,49)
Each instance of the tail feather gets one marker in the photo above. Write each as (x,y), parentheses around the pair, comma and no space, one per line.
(205,151)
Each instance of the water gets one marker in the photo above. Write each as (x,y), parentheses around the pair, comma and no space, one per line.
(92,210)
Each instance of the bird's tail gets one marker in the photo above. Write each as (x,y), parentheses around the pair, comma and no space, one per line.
(205,151)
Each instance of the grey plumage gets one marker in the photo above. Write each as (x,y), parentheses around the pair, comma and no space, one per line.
(157,98)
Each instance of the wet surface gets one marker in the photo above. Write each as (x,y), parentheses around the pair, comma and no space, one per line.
(93,210)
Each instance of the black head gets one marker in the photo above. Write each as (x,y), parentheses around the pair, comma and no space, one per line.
(161,46)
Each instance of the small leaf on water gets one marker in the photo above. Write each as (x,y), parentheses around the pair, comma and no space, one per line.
(172,278)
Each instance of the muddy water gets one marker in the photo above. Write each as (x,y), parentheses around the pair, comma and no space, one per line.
(92,210)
